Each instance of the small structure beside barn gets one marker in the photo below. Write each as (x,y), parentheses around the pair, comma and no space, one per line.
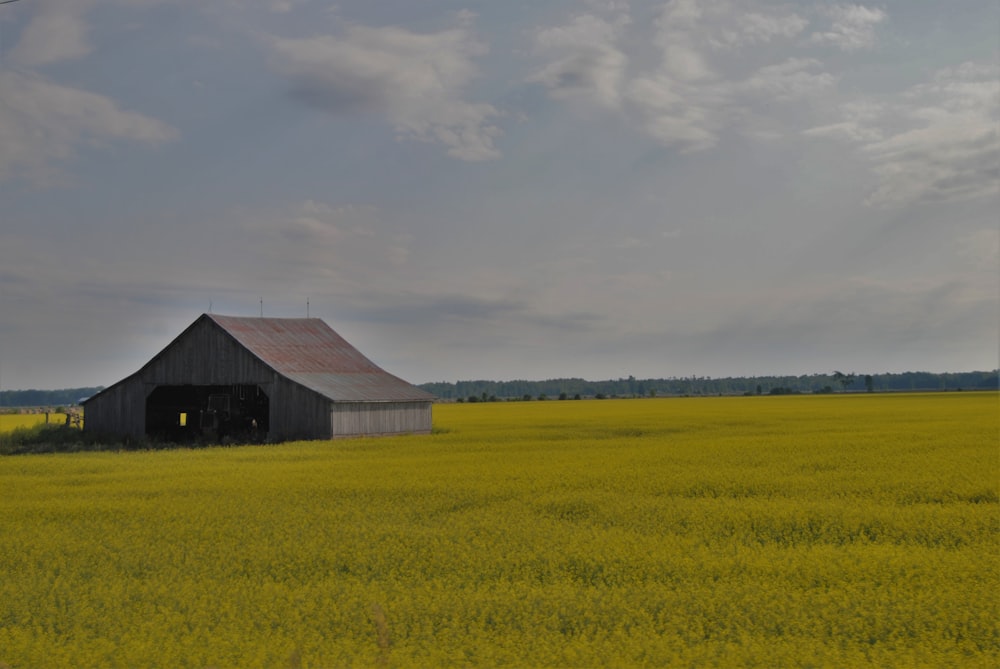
(255,379)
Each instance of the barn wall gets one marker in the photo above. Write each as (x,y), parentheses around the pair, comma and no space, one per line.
(372,418)
(298,413)
(119,410)
(206,356)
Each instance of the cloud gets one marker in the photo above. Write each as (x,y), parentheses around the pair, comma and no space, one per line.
(860,123)
(724,25)
(42,123)
(322,247)
(953,152)
(689,101)
(414,80)
(699,85)
(935,142)
(56,33)
(789,80)
(587,63)
(981,249)
(855,320)
(852,27)
(756,28)
(677,114)
(682,102)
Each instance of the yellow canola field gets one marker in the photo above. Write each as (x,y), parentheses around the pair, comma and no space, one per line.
(14,421)
(848,530)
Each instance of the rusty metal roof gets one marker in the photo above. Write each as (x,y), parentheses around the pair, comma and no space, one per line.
(309,352)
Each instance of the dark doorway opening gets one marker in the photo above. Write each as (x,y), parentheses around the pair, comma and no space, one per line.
(186,414)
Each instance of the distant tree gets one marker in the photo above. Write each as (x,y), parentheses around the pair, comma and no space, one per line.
(844,379)
(869,383)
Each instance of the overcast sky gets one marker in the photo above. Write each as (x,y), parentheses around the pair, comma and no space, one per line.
(503,190)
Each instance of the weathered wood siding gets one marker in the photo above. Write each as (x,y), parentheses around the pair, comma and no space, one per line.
(205,356)
(374,418)
(297,413)
(118,410)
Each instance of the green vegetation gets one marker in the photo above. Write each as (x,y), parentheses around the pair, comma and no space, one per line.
(699,385)
(41,398)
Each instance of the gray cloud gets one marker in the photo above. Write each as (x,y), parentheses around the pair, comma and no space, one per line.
(587,62)
(682,187)
(937,141)
(58,32)
(852,27)
(692,95)
(790,79)
(855,323)
(415,80)
(43,123)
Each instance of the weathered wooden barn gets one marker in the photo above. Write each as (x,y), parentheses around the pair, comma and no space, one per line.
(274,379)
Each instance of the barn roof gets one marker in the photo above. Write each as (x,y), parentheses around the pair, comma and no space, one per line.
(309,352)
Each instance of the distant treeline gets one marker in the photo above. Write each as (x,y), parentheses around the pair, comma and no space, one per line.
(45,398)
(760,385)
(484,390)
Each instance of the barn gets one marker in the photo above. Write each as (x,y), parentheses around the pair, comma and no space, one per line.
(256,379)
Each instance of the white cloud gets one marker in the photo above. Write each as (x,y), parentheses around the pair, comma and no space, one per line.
(937,141)
(690,98)
(587,62)
(58,32)
(859,124)
(757,28)
(681,28)
(955,157)
(42,123)
(790,79)
(852,27)
(415,80)
(679,103)
(726,25)
(677,114)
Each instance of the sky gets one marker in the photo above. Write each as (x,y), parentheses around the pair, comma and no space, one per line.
(504,190)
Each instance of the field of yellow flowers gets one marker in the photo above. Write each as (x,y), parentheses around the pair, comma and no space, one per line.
(14,421)
(846,530)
